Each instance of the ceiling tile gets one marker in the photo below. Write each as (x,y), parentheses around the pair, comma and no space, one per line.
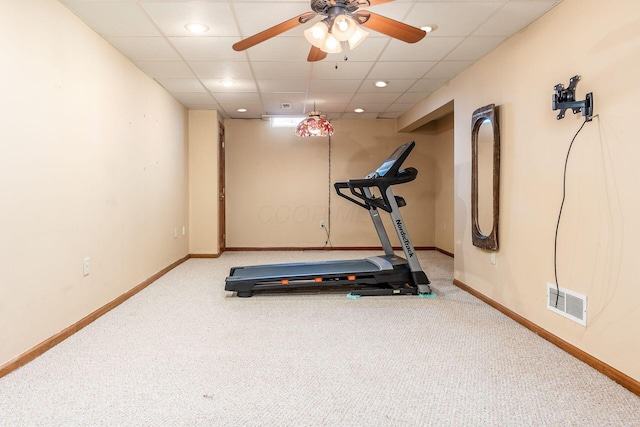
(193,106)
(377,107)
(399,106)
(341,70)
(368,51)
(474,48)
(400,70)
(332,109)
(256,16)
(393,85)
(514,16)
(390,115)
(114,18)
(283,86)
(427,85)
(243,98)
(387,97)
(221,69)
(182,85)
(453,18)
(254,110)
(144,48)
(323,98)
(410,98)
(447,69)
(359,116)
(195,98)
(339,86)
(169,69)
(427,49)
(239,85)
(207,48)
(280,48)
(172,17)
(397,10)
(272,103)
(281,70)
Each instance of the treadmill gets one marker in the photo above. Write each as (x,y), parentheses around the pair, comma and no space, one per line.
(386,274)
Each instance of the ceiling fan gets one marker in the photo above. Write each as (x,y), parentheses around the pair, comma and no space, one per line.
(341,24)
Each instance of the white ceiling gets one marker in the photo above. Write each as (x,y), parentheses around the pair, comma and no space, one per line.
(152,35)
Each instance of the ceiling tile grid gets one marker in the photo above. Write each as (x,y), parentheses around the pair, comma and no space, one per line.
(274,77)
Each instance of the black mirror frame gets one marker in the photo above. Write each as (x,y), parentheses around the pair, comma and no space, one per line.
(481,240)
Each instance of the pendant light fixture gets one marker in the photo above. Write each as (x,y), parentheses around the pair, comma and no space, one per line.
(314,125)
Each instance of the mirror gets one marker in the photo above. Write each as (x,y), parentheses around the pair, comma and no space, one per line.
(485,177)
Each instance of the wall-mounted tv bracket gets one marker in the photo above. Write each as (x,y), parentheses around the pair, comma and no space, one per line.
(564,99)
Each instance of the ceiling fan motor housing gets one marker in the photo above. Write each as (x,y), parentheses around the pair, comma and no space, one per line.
(334,7)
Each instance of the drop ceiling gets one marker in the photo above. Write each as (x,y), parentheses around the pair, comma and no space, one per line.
(274,77)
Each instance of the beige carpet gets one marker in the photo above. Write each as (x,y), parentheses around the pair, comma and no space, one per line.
(184,352)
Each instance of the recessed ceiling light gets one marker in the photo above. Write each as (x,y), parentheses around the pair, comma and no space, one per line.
(358,110)
(429,28)
(381,84)
(196,28)
(227,82)
(241,110)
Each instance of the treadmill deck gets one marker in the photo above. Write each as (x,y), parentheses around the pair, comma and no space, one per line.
(276,271)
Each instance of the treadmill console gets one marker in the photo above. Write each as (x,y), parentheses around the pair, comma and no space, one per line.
(391,166)
(388,174)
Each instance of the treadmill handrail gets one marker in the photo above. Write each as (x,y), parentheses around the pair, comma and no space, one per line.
(340,185)
(357,186)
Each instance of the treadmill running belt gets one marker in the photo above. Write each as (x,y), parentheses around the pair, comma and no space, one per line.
(303,269)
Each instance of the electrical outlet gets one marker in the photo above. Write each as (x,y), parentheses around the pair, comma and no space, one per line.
(321,224)
(492,258)
(85,267)
(184,230)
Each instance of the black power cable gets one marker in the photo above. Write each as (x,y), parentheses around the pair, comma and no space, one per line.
(327,229)
(564,192)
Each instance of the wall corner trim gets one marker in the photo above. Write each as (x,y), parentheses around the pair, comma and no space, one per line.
(624,380)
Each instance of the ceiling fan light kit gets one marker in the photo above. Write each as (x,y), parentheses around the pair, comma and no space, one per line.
(331,44)
(343,28)
(358,37)
(317,34)
(342,23)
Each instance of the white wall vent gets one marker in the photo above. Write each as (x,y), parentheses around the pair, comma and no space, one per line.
(569,304)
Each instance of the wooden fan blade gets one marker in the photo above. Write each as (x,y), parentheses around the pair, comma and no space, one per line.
(315,54)
(273,31)
(393,28)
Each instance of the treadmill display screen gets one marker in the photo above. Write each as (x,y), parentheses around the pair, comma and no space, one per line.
(386,166)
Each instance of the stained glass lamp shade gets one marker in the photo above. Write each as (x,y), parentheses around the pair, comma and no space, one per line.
(314,125)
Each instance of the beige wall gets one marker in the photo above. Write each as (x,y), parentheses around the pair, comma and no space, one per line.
(203,182)
(441,147)
(278,185)
(598,240)
(93,164)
